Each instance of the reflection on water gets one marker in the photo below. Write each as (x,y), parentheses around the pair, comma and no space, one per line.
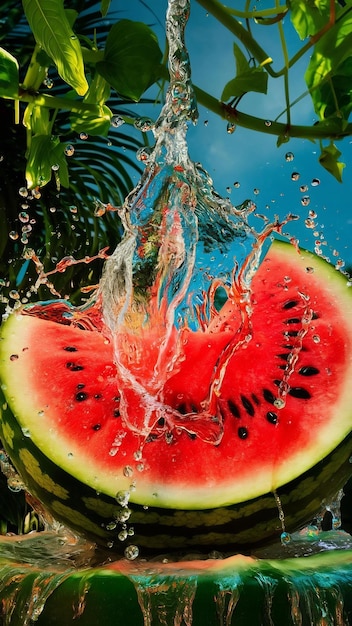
(275,587)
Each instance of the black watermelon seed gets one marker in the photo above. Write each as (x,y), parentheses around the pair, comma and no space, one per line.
(116,413)
(299,392)
(97,396)
(255,399)
(161,422)
(290,304)
(277,382)
(182,408)
(192,436)
(269,396)
(73,367)
(272,417)
(81,395)
(117,398)
(194,409)
(80,386)
(308,370)
(282,367)
(248,405)
(315,315)
(284,356)
(242,432)
(233,408)
(70,349)
(96,427)
(293,320)
(287,346)
(291,333)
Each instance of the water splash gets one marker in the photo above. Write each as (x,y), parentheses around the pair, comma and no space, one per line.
(184,249)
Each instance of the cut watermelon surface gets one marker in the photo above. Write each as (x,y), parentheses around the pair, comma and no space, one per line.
(285,407)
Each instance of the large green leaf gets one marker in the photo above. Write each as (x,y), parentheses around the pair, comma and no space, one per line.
(8,75)
(45,152)
(248,78)
(52,31)
(329,73)
(308,16)
(132,58)
(329,159)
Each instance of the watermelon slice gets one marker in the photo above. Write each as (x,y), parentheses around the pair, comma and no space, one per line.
(284,411)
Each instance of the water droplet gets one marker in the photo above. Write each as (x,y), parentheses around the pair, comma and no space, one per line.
(236,184)
(268,122)
(123,515)
(303,188)
(13,357)
(52,209)
(83,136)
(69,150)
(127,471)
(117,121)
(143,154)
(315,182)
(228,189)
(230,128)
(206,122)
(48,82)
(26,432)
(122,497)
(131,552)
(73,209)
(144,124)
(36,193)
(312,214)
(285,538)
(13,235)
(316,338)
(55,167)
(289,156)
(279,403)
(310,270)
(137,455)
(256,191)
(309,223)
(339,264)
(111,526)
(122,536)
(23,191)
(305,200)
(14,294)
(295,176)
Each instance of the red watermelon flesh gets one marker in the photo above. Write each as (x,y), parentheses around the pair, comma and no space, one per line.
(284,402)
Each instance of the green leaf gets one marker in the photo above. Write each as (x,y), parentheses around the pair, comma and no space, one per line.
(247,78)
(92,124)
(9,78)
(131,60)
(52,31)
(308,16)
(329,160)
(44,153)
(104,7)
(329,72)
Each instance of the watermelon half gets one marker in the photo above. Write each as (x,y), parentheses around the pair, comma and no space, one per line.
(285,407)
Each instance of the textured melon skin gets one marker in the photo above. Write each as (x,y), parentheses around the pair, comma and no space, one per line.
(228,527)
(238,591)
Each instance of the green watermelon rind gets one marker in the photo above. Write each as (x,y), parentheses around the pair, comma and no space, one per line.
(236,590)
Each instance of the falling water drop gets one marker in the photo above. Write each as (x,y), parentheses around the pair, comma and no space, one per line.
(230,128)
(289,156)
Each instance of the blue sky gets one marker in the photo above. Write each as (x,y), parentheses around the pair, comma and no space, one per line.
(251,158)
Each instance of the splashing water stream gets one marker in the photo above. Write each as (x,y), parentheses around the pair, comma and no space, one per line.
(182,244)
